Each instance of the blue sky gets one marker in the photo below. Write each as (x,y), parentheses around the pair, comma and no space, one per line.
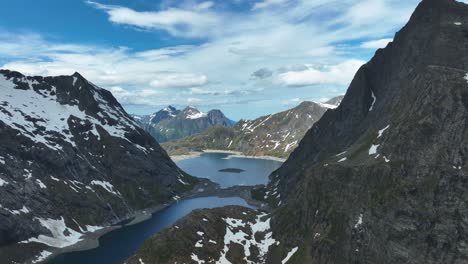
(245,57)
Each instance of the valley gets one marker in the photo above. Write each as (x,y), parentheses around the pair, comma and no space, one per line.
(229,189)
(306,176)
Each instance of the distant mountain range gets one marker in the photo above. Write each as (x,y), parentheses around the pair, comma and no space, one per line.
(72,161)
(171,124)
(274,135)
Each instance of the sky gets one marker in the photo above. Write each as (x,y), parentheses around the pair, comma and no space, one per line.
(246,57)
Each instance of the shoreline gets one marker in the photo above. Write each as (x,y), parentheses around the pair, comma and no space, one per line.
(205,188)
(232,154)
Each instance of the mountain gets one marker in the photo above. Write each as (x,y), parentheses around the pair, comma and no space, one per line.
(72,162)
(383,177)
(274,135)
(202,235)
(170,123)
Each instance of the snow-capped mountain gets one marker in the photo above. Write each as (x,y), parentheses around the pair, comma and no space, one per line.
(276,134)
(170,123)
(71,162)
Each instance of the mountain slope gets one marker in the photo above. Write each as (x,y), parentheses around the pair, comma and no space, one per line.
(383,178)
(171,124)
(274,135)
(71,161)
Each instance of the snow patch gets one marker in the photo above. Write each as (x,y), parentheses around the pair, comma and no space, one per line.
(199,244)
(359,222)
(41,184)
(62,236)
(241,238)
(3,182)
(290,254)
(329,106)
(106,185)
(382,131)
(42,256)
(92,229)
(55,179)
(342,153)
(196,259)
(373,149)
(23,210)
(290,145)
(196,115)
(374,99)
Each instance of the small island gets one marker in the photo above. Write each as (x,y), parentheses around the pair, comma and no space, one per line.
(232,170)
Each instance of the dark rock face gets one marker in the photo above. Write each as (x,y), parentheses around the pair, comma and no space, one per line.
(71,159)
(171,124)
(275,135)
(382,179)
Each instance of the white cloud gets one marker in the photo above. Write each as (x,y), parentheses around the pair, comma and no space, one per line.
(176,21)
(376,44)
(179,80)
(340,74)
(268,3)
(219,70)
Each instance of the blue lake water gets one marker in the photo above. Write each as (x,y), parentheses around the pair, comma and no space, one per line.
(118,245)
(256,171)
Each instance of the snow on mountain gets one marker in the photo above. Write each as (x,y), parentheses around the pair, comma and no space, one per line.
(71,157)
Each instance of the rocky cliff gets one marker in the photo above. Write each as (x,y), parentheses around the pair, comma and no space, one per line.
(71,162)
(274,135)
(382,179)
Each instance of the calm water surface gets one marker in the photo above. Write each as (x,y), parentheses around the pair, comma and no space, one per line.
(117,246)
(256,171)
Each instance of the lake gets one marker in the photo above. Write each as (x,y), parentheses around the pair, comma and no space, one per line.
(116,246)
(208,165)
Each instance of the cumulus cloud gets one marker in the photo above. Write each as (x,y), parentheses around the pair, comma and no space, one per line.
(176,21)
(340,74)
(178,80)
(376,44)
(135,97)
(268,3)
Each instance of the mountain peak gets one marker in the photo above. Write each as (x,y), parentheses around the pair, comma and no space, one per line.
(169,108)
(78,75)
(190,107)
